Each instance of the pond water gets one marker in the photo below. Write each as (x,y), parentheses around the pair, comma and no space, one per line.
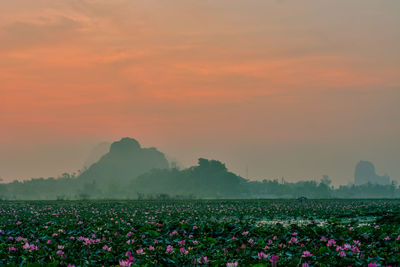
(356,221)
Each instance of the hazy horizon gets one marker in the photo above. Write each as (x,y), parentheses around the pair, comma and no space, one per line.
(285,89)
(56,159)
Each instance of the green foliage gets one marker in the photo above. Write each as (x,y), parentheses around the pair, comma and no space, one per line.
(200,232)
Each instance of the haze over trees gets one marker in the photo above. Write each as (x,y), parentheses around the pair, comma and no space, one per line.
(209,179)
(129,171)
(365,173)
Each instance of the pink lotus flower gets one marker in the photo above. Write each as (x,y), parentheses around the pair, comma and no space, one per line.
(107,248)
(355,249)
(170,249)
(203,259)
(274,260)
(173,233)
(184,251)
(123,263)
(12,249)
(372,264)
(331,242)
(60,252)
(346,246)
(305,265)
(342,254)
(261,255)
(306,254)
(232,264)
(26,246)
(130,259)
(140,251)
(32,247)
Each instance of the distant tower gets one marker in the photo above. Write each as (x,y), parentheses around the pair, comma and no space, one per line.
(365,173)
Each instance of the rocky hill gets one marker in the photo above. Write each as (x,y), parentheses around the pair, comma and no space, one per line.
(125,161)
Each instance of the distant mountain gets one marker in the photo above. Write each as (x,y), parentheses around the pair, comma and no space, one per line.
(125,161)
(96,153)
(365,173)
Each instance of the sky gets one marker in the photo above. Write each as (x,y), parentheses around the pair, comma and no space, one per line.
(293,89)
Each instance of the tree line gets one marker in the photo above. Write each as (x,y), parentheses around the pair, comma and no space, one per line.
(208,179)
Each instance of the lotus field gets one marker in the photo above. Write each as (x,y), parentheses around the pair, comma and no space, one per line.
(200,233)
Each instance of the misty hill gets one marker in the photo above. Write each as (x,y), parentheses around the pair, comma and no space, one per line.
(365,173)
(130,171)
(125,161)
(96,153)
(209,179)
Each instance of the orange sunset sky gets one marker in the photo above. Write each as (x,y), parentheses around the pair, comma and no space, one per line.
(287,88)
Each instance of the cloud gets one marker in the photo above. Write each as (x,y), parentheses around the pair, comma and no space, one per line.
(22,34)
